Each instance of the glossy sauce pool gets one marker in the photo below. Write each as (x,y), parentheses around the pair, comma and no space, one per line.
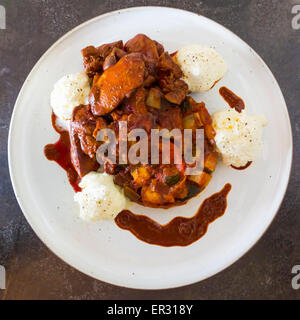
(180,231)
(232,99)
(60,153)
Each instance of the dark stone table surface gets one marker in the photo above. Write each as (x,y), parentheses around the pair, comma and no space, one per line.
(34,272)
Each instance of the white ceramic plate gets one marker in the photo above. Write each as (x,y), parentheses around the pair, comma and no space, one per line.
(101,249)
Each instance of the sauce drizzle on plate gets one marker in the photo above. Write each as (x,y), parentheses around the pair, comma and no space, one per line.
(180,231)
(232,99)
(243,167)
(60,153)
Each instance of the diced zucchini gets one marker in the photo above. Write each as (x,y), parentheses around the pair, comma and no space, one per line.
(202,180)
(189,122)
(185,106)
(171,180)
(205,116)
(210,162)
(131,194)
(180,190)
(198,120)
(210,133)
(154,98)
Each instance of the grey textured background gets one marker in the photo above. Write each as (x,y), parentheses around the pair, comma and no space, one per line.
(33,272)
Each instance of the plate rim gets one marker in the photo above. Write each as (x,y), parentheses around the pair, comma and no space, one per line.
(52,248)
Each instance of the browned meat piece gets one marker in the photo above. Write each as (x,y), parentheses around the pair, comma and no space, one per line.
(141,43)
(93,58)
(149,48)
(135,112)
(170,118)
(138,117)
(160,48)
(109,168)
(86,126)
(83,131)
(113,58)
(175,89)
(178,95)
(82,163)
(116,83)
(124,178)
(149,81)
(140,121)
(109,61)
(136,102)
(167,64)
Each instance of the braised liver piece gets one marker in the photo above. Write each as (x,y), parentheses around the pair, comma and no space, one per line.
(117,82)
(93,58)
(83,139)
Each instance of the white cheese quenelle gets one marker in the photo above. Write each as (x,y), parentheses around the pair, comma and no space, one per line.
(100,198)
(202,67)
(69,92)
(238,136)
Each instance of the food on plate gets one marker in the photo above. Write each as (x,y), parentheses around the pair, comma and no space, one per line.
(115,83)
(233,100)
(69,92)
(140,84)
(202,67)
(99,197)
(180,231)
(95,59)
(238,136)
(83,131)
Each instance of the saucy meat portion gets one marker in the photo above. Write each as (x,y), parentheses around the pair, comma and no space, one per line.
(116,82)
(148,48)
(162,185)
(93,58)
(141,43)
(140,83)
(83,140)
(174,88)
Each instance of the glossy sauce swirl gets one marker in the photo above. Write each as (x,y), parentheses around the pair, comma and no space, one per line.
(180,231)
(243,167)
(232,99)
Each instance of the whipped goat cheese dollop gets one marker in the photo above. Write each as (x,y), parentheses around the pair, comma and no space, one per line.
(202,67)
(100,197)
(70,91)
(238,136)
